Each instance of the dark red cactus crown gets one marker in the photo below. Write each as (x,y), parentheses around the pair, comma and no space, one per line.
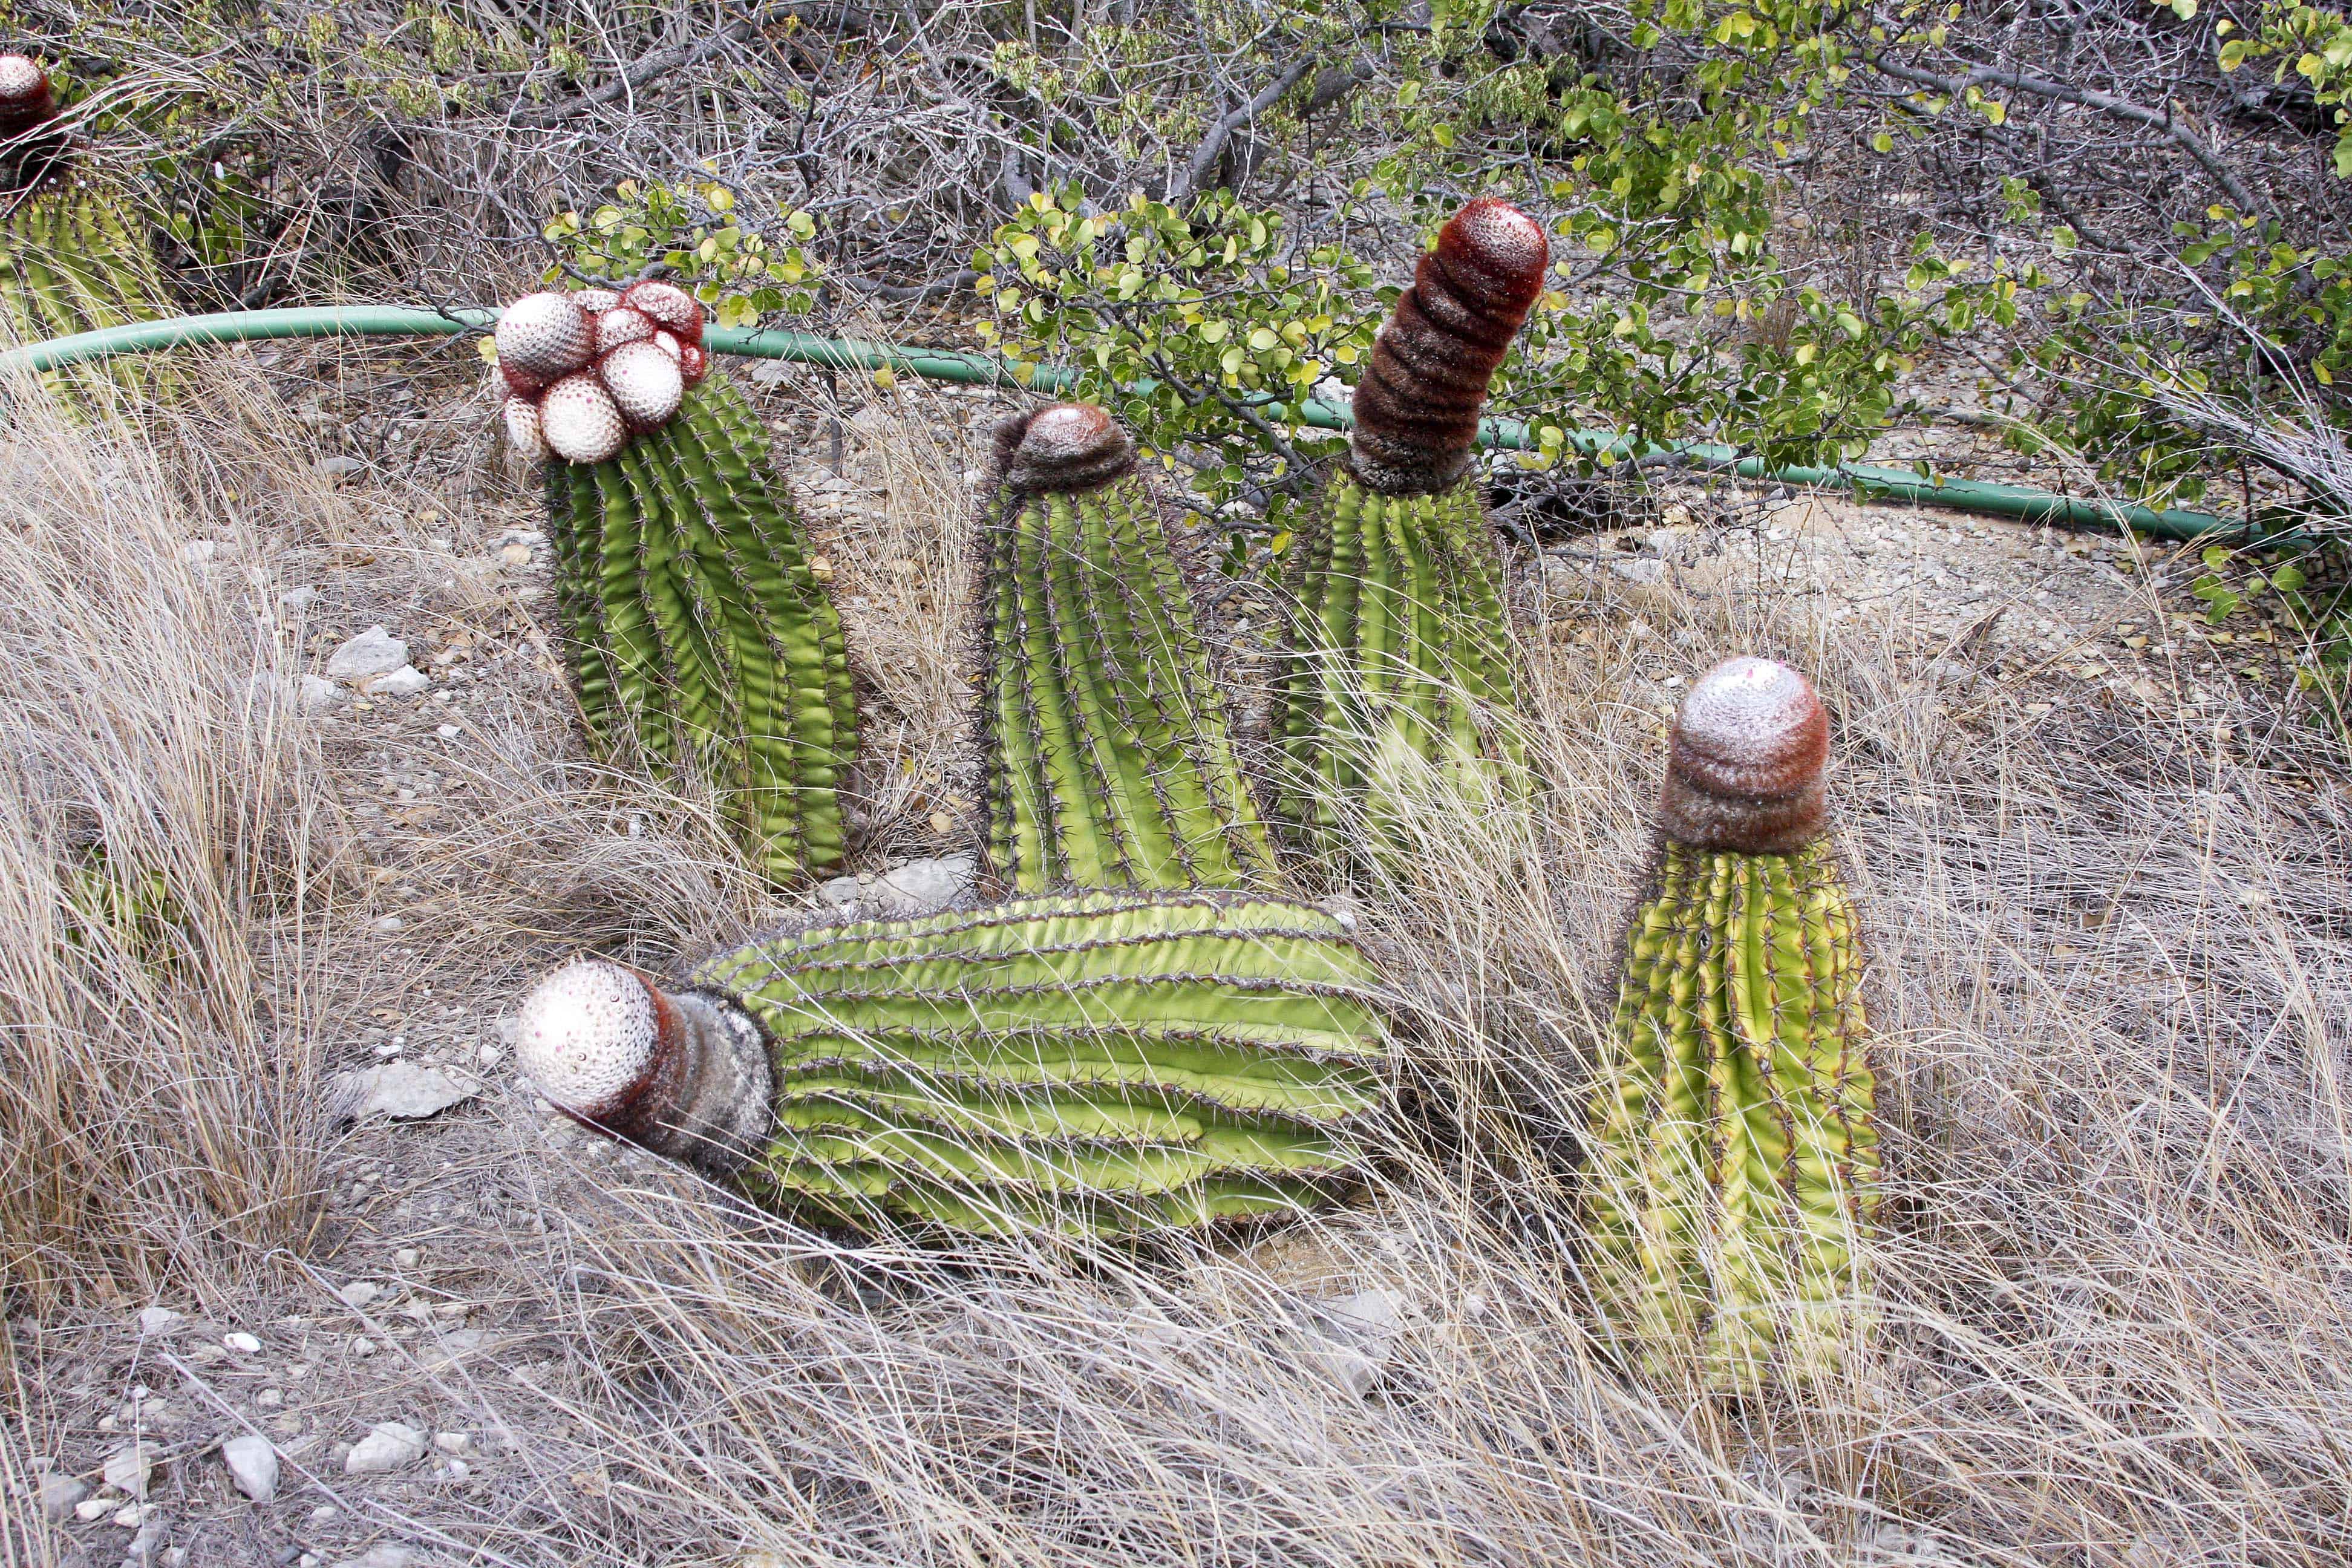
(1067,447)
(1417,408)
(24,97)
(1745,770)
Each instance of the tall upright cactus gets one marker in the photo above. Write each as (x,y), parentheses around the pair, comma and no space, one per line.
(74,256)
(697,636)
(1735,1155)
(1107,755)
(1399,643)
(1098,1063)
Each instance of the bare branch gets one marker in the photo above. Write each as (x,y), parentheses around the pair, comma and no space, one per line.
(1204,156)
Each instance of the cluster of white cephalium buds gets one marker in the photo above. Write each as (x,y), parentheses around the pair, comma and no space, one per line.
(587,370)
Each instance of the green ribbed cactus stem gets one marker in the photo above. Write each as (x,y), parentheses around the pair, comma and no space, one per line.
(698,637)
(1107,755)
(74,257)
(1089,1064)
(1735,1155)
(1400,653)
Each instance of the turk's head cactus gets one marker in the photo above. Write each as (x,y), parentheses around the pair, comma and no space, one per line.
(1399,647)
(1096,1064)
(32,147)
(1105,753)
(1735,1153)
(585,371)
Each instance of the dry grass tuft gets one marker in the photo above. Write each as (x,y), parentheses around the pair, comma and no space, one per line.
(168,840)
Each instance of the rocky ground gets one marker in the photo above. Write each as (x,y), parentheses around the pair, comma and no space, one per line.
(397,1386)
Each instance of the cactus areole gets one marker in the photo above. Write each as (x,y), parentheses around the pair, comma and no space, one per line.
(29,153)
(584,371)
(1734,1144)
(1417,408)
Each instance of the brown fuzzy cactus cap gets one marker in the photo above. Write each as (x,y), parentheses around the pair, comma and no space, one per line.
(1417,410)
(24,98)
(1068,447)
(1745,770)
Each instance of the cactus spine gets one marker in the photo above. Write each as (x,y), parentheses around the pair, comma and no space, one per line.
(1101,1063)
(1107,758)
(1399,646)
(698,637)
(1735,1155)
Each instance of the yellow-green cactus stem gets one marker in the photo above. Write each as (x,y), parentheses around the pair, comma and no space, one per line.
(1399,651)
(697,636)
(1734,1152)
(1091,1064)
(1106,753)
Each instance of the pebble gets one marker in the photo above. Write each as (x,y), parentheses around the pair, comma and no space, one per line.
(128,1470)
(406,681)
(359,1294)
(339,467)
(317,694)
(297,600)
(447,731)
(388,1446)
(61,1495)
(129,1517)
(408,1257)
(371,653)
(253,1464)
(156,1320)
(241,1342)
(453,1442)
(93,1507)
(1360,1328)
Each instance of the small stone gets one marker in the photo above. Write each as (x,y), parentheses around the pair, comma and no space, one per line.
(323,1512)
(363,1346)
(453,1442)
(156,1320)
(202,552)
(132,1517)
(295,600)
(241,1342)
(60,1495)
(317,694)
(920,886)
(388,1446)
(400,1089)
(128,1470)
(386,1554)
(359,1294)
(840,892)
(406,681)
(270,1398)
(447,731)
(371,653)
(1641,569)
(253,1464)
(340,468)
(93,1507)
(515,555)
(408,1257)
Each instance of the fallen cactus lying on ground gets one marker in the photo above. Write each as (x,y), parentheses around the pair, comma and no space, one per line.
(1734,1151)
(1107,757)
(1400,646)
(696,635)
(1100,1064)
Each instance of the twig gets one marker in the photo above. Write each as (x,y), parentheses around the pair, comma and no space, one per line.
(1204,156)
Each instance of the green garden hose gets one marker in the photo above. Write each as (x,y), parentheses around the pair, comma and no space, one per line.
(1870,481)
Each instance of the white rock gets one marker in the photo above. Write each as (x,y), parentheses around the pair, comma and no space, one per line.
(408,1257)
(373,652)
(93,1507)
(922,886)
(386,1554)
(359,1294)
(453,1442)
(1355,1351)
(241,1342)
(388,1446)
(59,1497)
(319,695)
(156,1320)
(402,1090)
(339,467)
(128,1470)
(253,1463)
(363,1346)
(132,1517)
(405,681)
(1641,569)
(840,891)
(297,600)
(199,551)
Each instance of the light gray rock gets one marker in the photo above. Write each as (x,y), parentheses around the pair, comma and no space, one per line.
(402,1090)
(58,1495)
(1357,1332)
(371,653)
(253,1465)
(1640,569)
(922,886)
(340,468)
(841,892)
(387,1555)
(156,1320)
(389,1445)
(128,1470)
(406,681)
(294,601)
(359,1294)
(317,694)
